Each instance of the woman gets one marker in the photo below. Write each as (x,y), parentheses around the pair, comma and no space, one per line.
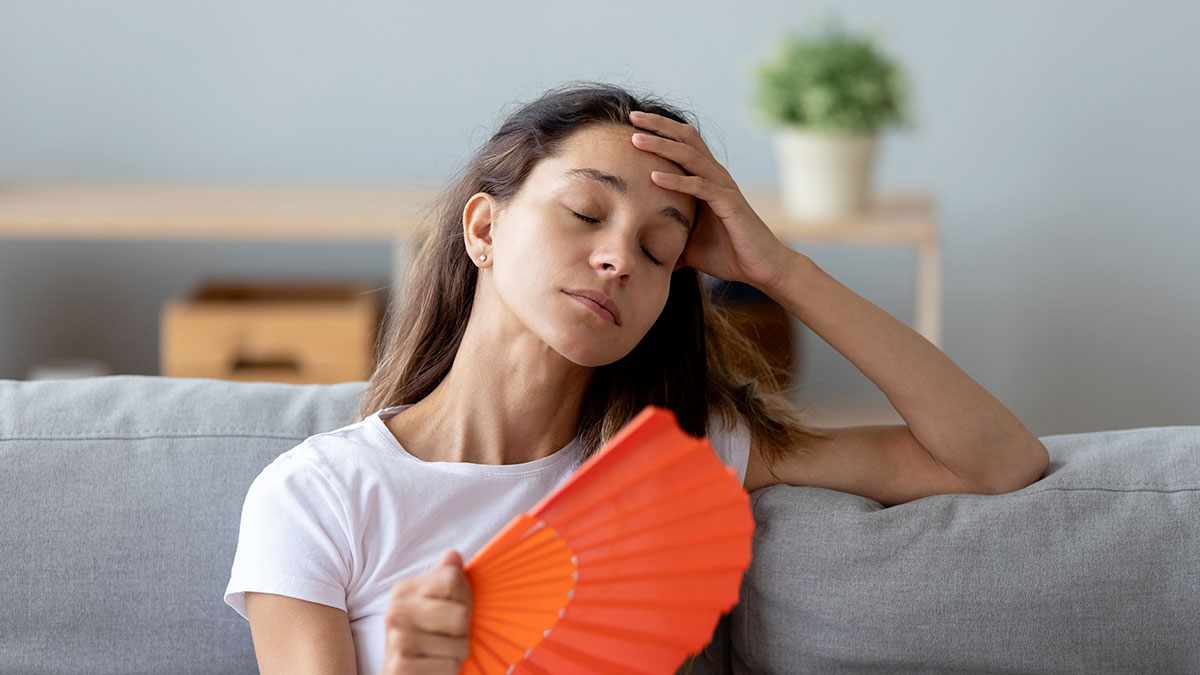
(559,295)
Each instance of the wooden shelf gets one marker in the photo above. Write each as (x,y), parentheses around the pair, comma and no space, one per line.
(890,218)
(396,211)
(164,210)
(63,210)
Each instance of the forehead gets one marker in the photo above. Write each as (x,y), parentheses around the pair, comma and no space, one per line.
(605,156)
(614,141)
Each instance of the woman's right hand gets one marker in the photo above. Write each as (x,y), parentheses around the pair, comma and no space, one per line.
(428,621)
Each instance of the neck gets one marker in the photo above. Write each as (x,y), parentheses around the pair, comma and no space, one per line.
(508,398)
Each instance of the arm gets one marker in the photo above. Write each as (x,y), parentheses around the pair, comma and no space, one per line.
(885,463)
(960,434)
(297,636)
(970,437)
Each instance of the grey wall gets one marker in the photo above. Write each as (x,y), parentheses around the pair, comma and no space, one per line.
(1058,137)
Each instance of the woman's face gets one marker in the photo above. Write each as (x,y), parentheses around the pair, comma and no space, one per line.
(589,221)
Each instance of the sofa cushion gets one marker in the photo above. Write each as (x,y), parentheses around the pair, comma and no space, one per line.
(121,501)
(1091,569)
(121,498)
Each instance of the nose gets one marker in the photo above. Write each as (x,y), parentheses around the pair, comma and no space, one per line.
(615,256)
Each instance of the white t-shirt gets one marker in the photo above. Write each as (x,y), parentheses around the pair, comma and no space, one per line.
(344,515)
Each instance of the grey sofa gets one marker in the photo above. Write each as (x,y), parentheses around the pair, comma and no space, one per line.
(121,499)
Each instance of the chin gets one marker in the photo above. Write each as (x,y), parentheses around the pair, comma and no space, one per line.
(591,358)
(590,353)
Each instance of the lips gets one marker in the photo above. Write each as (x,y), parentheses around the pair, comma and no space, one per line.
(598,298)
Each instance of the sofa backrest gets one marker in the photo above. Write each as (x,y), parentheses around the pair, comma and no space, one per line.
(121,499)
(1095,568)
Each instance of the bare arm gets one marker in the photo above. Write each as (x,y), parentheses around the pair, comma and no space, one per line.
(966,429)
(971,437)
(297,636)
(881,462)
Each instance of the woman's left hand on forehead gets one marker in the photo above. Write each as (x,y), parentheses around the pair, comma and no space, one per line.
(729,241)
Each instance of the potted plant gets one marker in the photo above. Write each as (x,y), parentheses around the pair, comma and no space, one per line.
(830,93)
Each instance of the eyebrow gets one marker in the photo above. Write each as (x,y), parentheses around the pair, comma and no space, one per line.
(617,184)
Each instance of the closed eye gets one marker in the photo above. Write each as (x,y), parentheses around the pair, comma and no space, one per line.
(594,220)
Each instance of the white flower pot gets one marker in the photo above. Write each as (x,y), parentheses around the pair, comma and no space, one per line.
(824,175)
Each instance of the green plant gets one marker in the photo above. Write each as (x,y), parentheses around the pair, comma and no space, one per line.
(831,80)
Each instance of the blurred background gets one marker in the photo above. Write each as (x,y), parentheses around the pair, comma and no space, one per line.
(1057,140)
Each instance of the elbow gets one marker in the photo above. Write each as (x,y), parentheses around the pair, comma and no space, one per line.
(1039,462)
(1025,470)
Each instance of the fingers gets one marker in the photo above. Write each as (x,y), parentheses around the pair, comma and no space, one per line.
(444,617)
(440,601)
(421,667)
(671,129)
(429,627)
(413,645)
(684,155)
(429,621)
(697,186)
(449,582)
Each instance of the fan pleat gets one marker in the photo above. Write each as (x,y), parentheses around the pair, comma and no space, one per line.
(527,667)
(672,587)
(640,479)
(492,651)
(574,651)
(533,547)
(637,443)
(552,573)
(654,542)
(711,493)
(603,642)
(666,534)
(659,625)
(523,597)
(540,613)
(601,564)
(499,545)
(506,623)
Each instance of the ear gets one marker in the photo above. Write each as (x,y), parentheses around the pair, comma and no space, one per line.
(478,217)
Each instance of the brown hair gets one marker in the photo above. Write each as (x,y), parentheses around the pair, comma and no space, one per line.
(692,361)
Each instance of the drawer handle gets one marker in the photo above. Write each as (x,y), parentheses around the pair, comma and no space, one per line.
(271,363)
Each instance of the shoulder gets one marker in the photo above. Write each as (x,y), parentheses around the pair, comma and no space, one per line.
(298,479)
(335,452)
(325,467)
(730,439)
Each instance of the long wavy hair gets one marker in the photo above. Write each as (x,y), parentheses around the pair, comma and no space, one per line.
(693,361)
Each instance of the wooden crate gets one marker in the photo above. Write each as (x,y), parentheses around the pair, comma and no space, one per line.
(273,331)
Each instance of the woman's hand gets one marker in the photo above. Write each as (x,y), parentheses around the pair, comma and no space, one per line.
(428,621)
(729,241)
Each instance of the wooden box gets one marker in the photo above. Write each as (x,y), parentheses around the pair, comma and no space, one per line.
(295,332)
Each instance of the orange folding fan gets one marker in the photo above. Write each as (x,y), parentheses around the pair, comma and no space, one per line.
(626,568)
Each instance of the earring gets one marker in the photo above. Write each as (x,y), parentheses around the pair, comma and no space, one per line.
(482,258)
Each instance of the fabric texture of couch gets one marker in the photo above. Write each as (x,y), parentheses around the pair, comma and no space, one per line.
(121,498)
